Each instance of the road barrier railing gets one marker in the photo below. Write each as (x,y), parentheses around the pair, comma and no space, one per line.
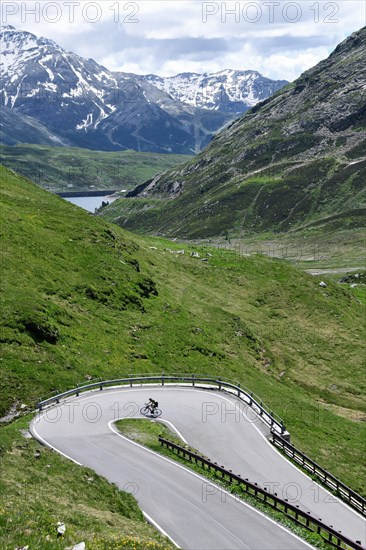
(279,435)
(345,493)
(244,394)
(329,534)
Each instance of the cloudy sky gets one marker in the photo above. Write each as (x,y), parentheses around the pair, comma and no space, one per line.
(280,39)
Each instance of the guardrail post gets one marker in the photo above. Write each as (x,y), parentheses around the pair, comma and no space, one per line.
(130,377)
(271,413)
(337,485)
(100,387)
(193,381)
(162,379)
(250,399)
(219,381)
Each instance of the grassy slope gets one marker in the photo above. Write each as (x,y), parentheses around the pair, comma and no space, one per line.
(83,298)
(314,249)
(55,167)
(279,200)
(37,491)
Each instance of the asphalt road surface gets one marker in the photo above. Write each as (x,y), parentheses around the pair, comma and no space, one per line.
(194,513)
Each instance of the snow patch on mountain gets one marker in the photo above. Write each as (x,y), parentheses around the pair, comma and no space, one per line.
(89,106)
(224,90)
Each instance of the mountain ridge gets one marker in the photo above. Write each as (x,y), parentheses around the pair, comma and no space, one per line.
(86,105)
(227,90)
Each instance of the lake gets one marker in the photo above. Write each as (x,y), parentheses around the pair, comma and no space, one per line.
(89,203)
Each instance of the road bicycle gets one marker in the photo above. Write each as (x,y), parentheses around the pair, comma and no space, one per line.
(146,411)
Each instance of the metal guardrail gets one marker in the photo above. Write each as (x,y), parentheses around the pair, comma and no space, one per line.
(243,393)
(355,500)
(305,519)
(247,396)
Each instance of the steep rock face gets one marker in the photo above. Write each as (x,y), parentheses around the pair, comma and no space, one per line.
(293,159)
(86,105)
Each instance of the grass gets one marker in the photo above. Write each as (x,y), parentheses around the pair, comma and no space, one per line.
(147,432)
(55,168)
(82,298)
(312,249)
(221,200)
(40,488)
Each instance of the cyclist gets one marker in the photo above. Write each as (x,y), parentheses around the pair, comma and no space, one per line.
(152,405)
(151,408)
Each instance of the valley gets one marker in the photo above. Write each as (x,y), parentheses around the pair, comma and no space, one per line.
(72,169)
(241,261)
(137,288)
(83,299)
(293,163)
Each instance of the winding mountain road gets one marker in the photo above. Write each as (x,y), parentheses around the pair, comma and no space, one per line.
(192,512)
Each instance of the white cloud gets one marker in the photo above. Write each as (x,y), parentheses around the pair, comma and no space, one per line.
(171,36)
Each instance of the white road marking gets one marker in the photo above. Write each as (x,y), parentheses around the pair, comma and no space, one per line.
(157,526)
(163,421)
(40,438)
(237,499)
(284,457)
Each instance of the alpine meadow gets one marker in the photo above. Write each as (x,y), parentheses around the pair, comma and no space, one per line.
(218,301)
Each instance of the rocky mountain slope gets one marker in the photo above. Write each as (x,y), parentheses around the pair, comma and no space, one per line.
(296,158)
(86,105)
(16,127)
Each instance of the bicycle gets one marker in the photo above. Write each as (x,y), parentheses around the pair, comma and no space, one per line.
(146,411)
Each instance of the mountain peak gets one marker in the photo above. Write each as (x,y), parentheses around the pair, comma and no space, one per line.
(231,91)
(7,28)
(354,40)
(87,105)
